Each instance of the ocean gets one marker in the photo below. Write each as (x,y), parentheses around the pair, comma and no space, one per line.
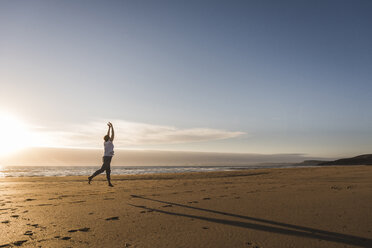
(60,171)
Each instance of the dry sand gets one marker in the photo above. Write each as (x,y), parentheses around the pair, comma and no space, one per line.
(302,207)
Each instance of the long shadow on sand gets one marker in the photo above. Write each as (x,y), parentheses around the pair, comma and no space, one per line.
(281,228)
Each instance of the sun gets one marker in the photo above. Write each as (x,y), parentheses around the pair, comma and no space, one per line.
(13,134)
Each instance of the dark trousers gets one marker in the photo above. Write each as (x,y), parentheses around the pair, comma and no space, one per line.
(105,167)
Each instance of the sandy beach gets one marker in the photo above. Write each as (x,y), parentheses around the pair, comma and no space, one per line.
(298,207)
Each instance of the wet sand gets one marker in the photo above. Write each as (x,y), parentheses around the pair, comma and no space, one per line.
(301,207)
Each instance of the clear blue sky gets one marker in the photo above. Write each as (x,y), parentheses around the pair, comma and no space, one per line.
(282,76)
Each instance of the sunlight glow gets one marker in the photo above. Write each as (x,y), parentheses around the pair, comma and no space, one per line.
(13,134)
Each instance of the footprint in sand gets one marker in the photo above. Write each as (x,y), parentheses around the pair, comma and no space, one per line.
(28,233)
(85,229)
(113,218)
(37,226)
(30,199)
(19,243)
(5,222)
(336,188)
(14,216)
(148,211)
(252,245)
(34,225)
(77,201)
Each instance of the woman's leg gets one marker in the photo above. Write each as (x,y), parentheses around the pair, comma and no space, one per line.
(108,169)
(97,172)
(108,172)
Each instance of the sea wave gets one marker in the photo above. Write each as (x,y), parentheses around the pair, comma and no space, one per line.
(59,171)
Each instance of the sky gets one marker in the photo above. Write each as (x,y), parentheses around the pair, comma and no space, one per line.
(267,77)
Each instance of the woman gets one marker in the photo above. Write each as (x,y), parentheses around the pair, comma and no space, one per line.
(107,156)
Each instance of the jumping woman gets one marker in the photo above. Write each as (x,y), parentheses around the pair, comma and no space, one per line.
(107,156)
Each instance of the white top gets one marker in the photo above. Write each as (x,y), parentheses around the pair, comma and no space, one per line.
(109,148)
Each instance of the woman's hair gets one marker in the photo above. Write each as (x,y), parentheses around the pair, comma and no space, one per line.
(106,137)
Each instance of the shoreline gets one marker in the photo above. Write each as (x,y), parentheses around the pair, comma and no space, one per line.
(66,171)
(184,175)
